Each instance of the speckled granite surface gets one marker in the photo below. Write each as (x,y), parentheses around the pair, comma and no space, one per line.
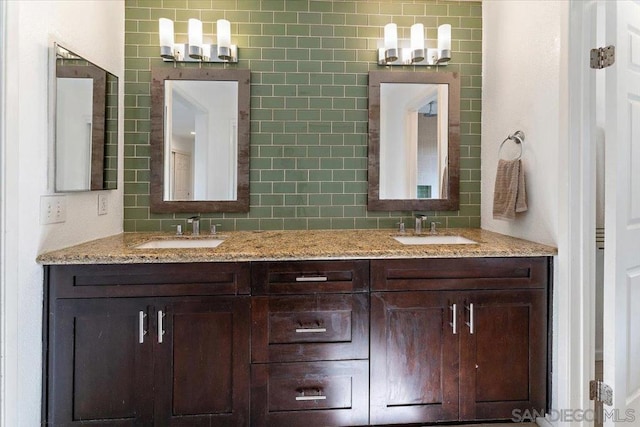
(293,245)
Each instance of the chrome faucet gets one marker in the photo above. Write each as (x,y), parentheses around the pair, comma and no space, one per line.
(419,220)
(195,225)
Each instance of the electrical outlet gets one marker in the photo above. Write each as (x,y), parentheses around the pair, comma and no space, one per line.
(53,209)
(103,204)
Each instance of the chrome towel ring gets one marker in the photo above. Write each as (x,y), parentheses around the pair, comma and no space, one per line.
(518,138)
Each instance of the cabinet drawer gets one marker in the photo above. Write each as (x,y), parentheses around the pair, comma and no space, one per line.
(311,394)
(310,327)
(304,277)
(460,273)
(148,280)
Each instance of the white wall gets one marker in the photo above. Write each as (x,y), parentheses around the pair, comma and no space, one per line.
(95,30)
(526,87)
(520,91)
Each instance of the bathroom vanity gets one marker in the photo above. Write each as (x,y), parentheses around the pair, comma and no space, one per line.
(277,328)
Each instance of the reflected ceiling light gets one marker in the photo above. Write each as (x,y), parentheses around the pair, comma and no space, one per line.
(413,51)
(195,50)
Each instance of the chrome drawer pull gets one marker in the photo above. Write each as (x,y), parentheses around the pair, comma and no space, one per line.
(160,326)
(311,279)
(311,397)
(454,320)
(310,330)
(141,331)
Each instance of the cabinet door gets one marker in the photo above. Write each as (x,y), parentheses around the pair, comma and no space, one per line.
(503,357)
(414,358)
(101,372)
(202,361)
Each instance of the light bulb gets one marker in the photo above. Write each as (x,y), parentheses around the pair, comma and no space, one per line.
(417,43)
(417,36)
(444,43)
(390,42)
(166,38)
(390,36)
(195,38)
(224,39)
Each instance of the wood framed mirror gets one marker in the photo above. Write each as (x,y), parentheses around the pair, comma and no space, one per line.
(414,141)
(85,100)
(200,140)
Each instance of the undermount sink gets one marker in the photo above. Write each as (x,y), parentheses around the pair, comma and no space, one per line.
(180,243)
(434,240)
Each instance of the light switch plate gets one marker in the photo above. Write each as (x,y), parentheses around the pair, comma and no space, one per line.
(103,204)
(53,209)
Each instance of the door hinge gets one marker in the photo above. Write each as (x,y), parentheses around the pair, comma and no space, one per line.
(603,57)
(600,392)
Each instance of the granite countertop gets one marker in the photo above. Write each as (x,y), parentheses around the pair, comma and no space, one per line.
(293,245)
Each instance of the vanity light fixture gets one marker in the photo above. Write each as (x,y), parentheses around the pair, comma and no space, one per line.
(413,51)
(195,50)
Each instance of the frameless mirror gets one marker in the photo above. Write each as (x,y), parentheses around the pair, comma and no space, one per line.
(86,124)
(414,133)
(200,140)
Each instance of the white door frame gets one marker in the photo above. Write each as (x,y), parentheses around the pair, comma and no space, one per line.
(3,27)
(574,293)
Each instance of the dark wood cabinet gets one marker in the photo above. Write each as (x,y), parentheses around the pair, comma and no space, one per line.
(414,358)
(304,343)
(315,316)
(441,355)
(202,365)
(161,361)
(99,371)
(331,393)
(503,357)
(297,328)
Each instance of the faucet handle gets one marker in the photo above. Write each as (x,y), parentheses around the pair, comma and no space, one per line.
(178,228)
(400,225)
(214,229)
(433,228)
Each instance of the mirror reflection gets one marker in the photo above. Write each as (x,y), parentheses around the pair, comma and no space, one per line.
(200,140)
(86,124)
(413,141)
(414,138)
(201,134)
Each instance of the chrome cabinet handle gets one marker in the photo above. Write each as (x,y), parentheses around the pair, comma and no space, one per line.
(315,396)
(311,397)
(454,318)
(310,330)
(141,331)
(160,326)
(311,279)
(470,322)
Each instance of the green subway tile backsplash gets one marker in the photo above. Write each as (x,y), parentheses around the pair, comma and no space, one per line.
(309,62)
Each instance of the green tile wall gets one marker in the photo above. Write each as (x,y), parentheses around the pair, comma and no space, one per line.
(309,62)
